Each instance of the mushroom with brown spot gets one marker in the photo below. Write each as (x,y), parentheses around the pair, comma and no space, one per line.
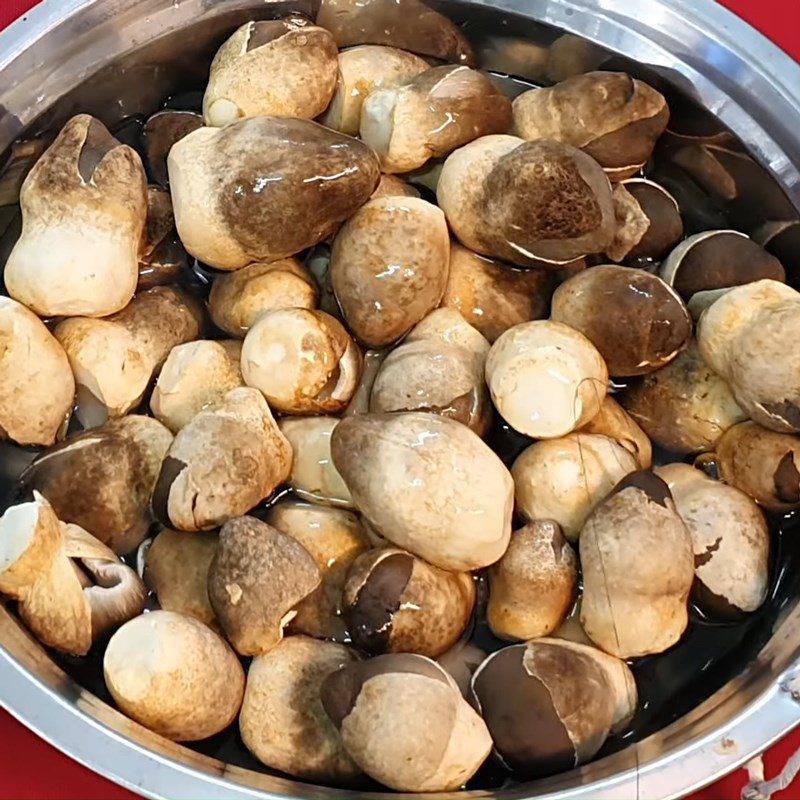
(616,423)
(162,258)
(161,131)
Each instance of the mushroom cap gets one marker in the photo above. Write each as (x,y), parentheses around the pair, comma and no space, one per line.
(392,186)
(252,191)
(285,67)
(162,258)
(564,479)
(257,578)
(405,723)
(664,223)
(428,484)
(302,361)
(194,376)
(84,205)
(239,298)
(162,130)
(614,421)
(389,267)
(460,662)
(334,538)
(529,203)
(359,402)
(638,569)
(649,325)
(37,388)
(283,723)
(363,70)
(103,479)
(395,602)
(174,675)
(545,378)
(534,584)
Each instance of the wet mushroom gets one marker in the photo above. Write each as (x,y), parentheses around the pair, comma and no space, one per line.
(392,186)
(286,67)
(84,205)
(161,131)
(174,675)
(615,422)
(461,661)
(359,402)
(162,258)
(257,578)
(570,55)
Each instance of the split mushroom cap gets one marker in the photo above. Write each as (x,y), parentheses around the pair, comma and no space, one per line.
(174,675)
(257,578)
(749,336)
(534,584)
(37,388)
(103,479)
(609,115)
(313,476)
(404,722)
(762,463)
(392,186)
(239,298)
(409,25)
(638,569)
(395,602)
(162,257)
(84,205)
(684,407)
(431,115)
(549,706)
(176,569)
(194,376)
(114,359)
(363,70)
(304,362)
(427,484)
(334,538)
(537,203)
(730,538)
(636,321)
(252,191)
(161,131)
(283,723)
(389,267)
(615,422)
(564,479)
(492,296)
(359,402)
(225,461)
(285,67)
(546,379)
(461,661)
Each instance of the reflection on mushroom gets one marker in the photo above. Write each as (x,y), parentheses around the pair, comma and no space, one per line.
(613,421)
(283,723)
(359,402)
(84,205)
(285,67)
(564,479)
(404,722)
(534,584)
(257,578)
(174,675)
(638,569)
(162,258)
(609,115)
(253,191)
(546,379)
(162,130)
(392,186)
(530,203)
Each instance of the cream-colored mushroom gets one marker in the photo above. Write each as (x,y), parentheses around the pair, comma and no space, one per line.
(359,402)
(615,422)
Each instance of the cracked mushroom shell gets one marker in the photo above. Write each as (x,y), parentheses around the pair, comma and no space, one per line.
(616,423)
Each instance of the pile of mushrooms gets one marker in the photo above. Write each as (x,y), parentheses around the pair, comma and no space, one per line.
(303,463)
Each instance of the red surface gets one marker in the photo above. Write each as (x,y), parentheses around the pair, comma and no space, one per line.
(32,770)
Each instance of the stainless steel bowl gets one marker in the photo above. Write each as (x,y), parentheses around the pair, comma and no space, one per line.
(735,165)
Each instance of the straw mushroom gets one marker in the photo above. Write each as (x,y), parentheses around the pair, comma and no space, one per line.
(609,115)
(283,723)
(389,267)
(265,188)
(162,258)
(539,203)
(84,206)
(428,484)
(37,388)
(161,131)
(285,67)
(304,362)
(534,584)
(227,459)
(392,186)
(636,321)
(546,379)
(613,421)
(638,569)
(404,722)
(564,479)
(461,661)
(174,675)
(359,402)
(257,578)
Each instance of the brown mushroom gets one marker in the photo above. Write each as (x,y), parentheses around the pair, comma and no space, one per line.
(392,186)
(461,661)
(614,421)
(359,402)
(162,258)
(161,131)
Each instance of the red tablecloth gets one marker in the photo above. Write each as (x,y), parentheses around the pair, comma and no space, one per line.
(32,770)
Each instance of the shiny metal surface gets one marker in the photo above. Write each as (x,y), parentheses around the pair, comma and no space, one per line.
(120,57)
